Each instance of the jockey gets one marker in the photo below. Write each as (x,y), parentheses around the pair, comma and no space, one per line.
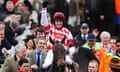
(56,32)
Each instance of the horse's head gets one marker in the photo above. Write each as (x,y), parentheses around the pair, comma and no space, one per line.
(59,54)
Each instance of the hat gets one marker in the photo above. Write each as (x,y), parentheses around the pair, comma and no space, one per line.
(91,37)
(84,25)
(115,63)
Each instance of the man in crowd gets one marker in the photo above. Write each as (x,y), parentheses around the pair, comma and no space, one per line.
(38,55)
(11,63)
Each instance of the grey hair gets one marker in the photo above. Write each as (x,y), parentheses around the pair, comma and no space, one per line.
(18,47)
(105,33)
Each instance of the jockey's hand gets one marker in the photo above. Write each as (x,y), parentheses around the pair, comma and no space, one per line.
(45,3)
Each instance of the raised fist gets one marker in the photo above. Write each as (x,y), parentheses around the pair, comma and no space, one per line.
(45,3)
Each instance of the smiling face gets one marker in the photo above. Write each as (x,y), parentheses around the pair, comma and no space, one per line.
(41,44)
(30,44)
(59,23)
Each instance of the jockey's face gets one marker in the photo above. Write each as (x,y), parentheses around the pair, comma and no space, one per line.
(59,23)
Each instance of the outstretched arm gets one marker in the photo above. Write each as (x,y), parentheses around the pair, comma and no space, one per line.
(44,21)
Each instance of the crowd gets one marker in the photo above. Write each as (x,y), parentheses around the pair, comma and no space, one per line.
(57,36)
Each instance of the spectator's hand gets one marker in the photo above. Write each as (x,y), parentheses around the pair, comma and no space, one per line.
(34,66)
(4,50)
(95,32)
(6,55)
(45,3)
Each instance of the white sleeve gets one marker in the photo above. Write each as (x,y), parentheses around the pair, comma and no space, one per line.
(49,59)
(71,50)
(68,60)
(44,21)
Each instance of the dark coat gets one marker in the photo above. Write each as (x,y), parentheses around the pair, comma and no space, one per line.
(4,44)
(79,39)
(83,57)
(9,35)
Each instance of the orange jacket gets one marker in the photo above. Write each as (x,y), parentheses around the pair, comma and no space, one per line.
(104,62)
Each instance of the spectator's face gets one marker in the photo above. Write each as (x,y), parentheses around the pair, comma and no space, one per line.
(30,44)
(20,7)
(92,67)
(2,26)
(105,39)
(58,23)
(22,53)
(40,34)
(84,30)
(118,45)
(41,45)
(91,43)
(25,67)
(10,6)
(113,43)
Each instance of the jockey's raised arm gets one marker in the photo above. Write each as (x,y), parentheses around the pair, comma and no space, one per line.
(44,20)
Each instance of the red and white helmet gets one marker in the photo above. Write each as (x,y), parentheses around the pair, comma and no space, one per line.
(58,15)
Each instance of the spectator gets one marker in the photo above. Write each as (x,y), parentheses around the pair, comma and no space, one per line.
(9,32)
(82,57)
(94,46)
(118,47)
(4,44)
(93,66)
(9,8)
(30,29)
(113,47)
(74,18)
(24,65)
(105,40)
(38,55)
(118,43)
(30,44)
(40,33)
(11,63)
(83,34)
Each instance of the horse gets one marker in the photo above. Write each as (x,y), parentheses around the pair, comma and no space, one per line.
(59,64)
